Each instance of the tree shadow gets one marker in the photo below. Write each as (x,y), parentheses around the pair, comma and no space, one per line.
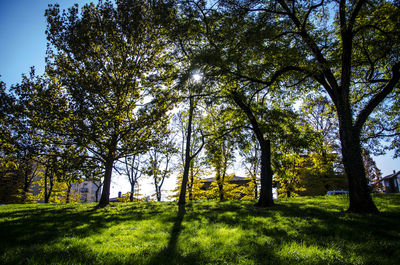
(170,254)
(372,237)
(308,227)
(37,227)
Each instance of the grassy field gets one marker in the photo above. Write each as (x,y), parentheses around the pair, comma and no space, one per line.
(309,230)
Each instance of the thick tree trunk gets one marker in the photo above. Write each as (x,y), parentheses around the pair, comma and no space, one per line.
(105,195)
(266,198)
(109,164)
(360,198)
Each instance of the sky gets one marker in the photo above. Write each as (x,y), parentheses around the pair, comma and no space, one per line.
(23,45)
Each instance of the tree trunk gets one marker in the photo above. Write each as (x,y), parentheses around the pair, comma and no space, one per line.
(219,182)
(360,198)
(109,164)
(266,198)
(105,195)
(68,193)
(254,175)
(188,158)
(191,182)
(255,189)
(48,190)
(132,191)
(27,183)
(158,193)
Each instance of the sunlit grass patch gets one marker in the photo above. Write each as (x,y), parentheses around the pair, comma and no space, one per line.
(303,230)
(301,253)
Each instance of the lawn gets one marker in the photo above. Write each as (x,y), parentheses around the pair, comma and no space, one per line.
(307,230)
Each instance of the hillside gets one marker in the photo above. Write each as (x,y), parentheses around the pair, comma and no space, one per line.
(304,230)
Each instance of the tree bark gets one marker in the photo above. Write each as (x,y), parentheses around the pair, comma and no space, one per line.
(48,190)
(105,195)
(219,182)
(109,163)
(158,193)
(266,198)
(27,183)
(191,182)
(188,158)
(132,191)
(360,198)
(68,193)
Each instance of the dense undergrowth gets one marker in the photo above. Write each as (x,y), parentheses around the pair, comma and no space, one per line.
(303,230)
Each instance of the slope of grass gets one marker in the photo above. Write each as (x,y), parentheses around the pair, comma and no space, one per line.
(309,230)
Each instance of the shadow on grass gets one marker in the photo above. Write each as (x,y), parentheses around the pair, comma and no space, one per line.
(375,239)
(289,229)
(26,234)
(170,255)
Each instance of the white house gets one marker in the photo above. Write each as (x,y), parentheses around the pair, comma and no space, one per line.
(391,183)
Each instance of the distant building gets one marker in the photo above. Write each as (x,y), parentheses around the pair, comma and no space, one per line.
(391,183)
(86,191)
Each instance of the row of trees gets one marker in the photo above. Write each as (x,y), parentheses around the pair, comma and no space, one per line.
(280,81)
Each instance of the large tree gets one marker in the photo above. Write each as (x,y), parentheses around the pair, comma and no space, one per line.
(356,61)
(111,59)
(349,49)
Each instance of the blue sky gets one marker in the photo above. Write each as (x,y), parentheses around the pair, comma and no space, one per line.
(23,44)
(22,36)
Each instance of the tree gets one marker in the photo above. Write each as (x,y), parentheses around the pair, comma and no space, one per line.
(374,175)
(220,144)
(353,57)
(160,162)
(321,168)
(189,152)
(229,58)
(40,121)
(358,75)
(111,61)
(131,167)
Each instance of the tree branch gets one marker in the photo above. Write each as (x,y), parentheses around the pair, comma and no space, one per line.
(378,98)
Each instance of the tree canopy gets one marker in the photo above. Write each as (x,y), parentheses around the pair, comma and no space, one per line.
(303,90)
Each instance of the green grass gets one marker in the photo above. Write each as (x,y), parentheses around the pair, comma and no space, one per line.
(309,230)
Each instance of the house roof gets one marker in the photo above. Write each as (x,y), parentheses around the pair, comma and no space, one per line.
(395,174)
(235,178)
